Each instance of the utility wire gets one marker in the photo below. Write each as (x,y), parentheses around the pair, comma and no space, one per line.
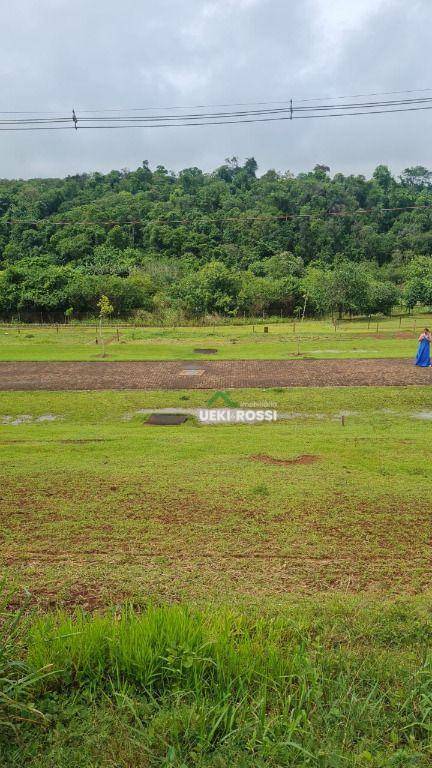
(189,124)
(219,115)
(223,219)
(225,105)
(222,118)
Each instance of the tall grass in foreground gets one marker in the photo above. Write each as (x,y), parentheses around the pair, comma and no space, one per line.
(17,680)
(174,686)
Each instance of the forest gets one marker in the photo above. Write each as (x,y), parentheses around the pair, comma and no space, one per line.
(158,245)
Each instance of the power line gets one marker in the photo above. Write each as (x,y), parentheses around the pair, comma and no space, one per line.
(368,95)
(220,115)
(222,118)
(230,113)
(210,122)
(223,105)
(220,220)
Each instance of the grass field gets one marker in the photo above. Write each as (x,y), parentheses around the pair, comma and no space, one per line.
(96,506)
(280,577)
(388,337)
(333,684)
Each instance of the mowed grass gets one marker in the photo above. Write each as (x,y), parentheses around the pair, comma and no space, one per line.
(388,337)
(323,657)
(97,507)
(332,684)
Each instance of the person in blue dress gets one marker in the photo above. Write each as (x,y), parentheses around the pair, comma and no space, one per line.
(423,358)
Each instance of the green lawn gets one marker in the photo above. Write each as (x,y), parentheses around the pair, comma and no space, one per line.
(318,339)
(328,684)
(98,507)
(282,610)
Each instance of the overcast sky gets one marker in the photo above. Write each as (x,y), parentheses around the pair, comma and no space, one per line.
(59,54)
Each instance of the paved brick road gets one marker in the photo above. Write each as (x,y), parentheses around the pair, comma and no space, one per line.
(212,374)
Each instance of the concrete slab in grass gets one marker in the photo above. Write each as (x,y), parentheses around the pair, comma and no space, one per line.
(166,419)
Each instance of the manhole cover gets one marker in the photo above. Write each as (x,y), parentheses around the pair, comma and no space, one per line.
(192,372)
(166,419)
(205,351)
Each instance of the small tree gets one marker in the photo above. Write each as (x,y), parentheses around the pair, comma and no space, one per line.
(68,313)
(105,310)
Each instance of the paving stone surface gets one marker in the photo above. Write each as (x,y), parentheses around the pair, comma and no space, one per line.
(212,374)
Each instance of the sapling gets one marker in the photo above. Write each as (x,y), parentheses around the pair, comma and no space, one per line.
(68,313)
(105,310)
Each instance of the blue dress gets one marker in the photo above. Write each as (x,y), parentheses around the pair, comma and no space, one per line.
(423,354)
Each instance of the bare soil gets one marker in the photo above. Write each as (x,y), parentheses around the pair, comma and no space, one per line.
(304,459)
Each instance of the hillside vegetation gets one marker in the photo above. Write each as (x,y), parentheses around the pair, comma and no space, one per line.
(228,242)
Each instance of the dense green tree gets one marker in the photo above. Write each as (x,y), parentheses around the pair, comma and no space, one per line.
(417,177)
(382,296)
(226,241)
(317,290)
(214,288)
(349,288)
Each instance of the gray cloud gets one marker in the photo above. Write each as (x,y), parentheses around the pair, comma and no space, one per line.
(57,54)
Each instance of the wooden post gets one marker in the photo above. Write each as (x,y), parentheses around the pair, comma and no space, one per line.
(343,419)
(377,327)
(118,335)
(369,321)
(400,320)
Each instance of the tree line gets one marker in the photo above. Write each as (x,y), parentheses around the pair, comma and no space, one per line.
(230,242)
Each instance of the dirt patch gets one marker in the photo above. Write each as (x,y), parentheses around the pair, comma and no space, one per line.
(79,441)
(305,458)
(40,441)
(386,335)
(88,596)
(186,547)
